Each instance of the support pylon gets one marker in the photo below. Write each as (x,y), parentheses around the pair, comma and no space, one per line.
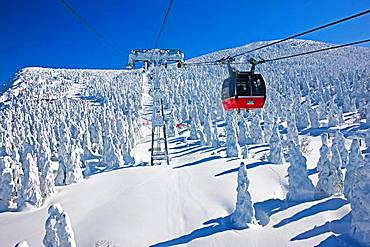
(153,60)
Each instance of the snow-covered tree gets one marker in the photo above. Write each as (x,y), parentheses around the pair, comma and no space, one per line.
(324,154)
(340,115)
(360,200)
(202,138)
(245,152)
(300,186)
(47,181)
(349,106)
(65,231)
(111,158)
(87,147)
(171,125)
(74,167)
(330,176)
(336,170)
(367,138)
(195,115)
(64,153)
(243,214)
(215,140)
(195,124)
(6,147)
(58,228)
(5,163)
(314,118)
(333,114)
(292,129)
(276,151)
(95,130)
(340,142)
(354,162)
(256,130)
(324,138)
(184,113)
(207,130)
(128,158)
(30,188)
(193,131)
(232,148)
(61,173)
(53,145)
(7,187)
(322,110)
(268,124)
(15,154)
(302,116)
(44,154)
(242,133)
(27,147)
(368,113)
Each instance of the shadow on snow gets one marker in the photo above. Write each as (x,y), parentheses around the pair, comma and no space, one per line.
(258,146)
(262,150)
(249,166)
(184,149)
(341,226)
(199,161)
(312,171)
(264,210)
(212,227)
(232,159)
(342,229)
(179,139)
(186,145)
(328,205)
(191,151)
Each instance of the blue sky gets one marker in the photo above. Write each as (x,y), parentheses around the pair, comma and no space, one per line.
(43,33)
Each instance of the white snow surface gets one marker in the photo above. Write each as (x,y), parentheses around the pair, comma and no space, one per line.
(189,202)
(183,203)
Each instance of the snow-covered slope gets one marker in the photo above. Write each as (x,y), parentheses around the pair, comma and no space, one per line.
(184,203)
(190,202)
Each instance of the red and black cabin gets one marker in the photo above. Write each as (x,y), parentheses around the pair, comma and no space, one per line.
(243,90)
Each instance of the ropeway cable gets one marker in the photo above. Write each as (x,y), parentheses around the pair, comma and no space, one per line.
(91,27)
(163,23)
(280,58)
(306,32)
(230,59)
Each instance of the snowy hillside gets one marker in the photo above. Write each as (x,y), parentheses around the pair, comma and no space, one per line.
(81,138)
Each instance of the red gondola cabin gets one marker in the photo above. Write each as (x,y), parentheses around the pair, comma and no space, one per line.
(243,90)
